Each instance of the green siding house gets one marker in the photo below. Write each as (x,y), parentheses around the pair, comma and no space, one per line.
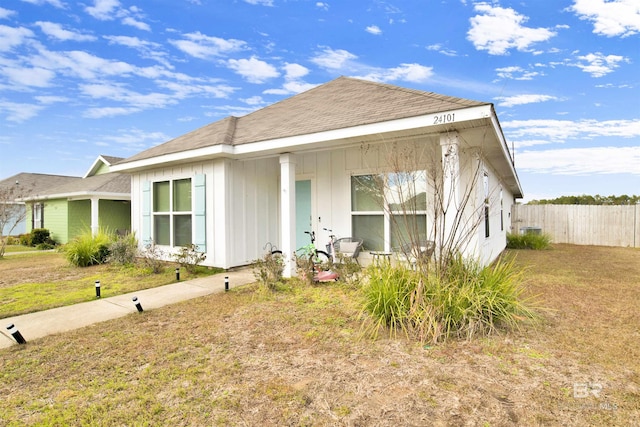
(100,199)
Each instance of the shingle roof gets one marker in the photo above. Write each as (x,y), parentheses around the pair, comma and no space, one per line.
(33,184)
(341,103)
(98,184)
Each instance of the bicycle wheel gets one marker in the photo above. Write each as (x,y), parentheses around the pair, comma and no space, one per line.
(321,259)
(277,254)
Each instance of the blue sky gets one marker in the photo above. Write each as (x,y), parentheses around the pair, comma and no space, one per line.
(84,78)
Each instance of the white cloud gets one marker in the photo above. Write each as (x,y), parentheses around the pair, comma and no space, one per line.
(202,46)
(54,3)
(104,10)
(133,138)
(11,37)
(135,23)
(295,71)
(563,130)
(510,101)
(440,49)
(516,73)
(146,48)
(253,69)
(373,29)
(101,112)
(497,30)
(82,64)
(56,31)
(610,18)
(50,99)
(333,59)
(322,5)
(17,112)
(116,92)
(414,73)
(260,2)
(254,100)
(581,161)
(599,65)
(28,77)
(5,13)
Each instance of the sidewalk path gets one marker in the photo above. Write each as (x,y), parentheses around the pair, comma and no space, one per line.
(62,319)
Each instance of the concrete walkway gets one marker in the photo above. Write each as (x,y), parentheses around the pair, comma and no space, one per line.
(62,319)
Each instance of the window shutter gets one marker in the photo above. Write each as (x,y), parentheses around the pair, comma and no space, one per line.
(199,213)
(146,213)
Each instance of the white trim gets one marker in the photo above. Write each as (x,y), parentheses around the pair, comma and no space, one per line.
(279,145)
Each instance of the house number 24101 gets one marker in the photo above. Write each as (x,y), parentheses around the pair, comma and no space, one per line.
(444,118)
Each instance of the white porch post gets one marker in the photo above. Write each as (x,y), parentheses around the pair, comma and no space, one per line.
(95,226)
(288,211)
(450,189)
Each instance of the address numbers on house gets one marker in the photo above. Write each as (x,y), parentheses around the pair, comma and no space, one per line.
(440,119)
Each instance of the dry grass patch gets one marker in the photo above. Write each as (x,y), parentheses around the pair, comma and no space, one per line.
(296,357)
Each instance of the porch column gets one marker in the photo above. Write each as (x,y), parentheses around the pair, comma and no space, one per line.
(288,211)
(95,215)
(450,190)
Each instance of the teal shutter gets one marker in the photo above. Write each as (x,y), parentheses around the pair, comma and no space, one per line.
(199,213)
(146,213)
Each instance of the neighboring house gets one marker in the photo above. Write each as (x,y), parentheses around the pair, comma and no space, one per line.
(303,164)
(27,185)
(100,199)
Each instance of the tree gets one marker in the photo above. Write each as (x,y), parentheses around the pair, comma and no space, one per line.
(12,212)
(589,200)
(428,196)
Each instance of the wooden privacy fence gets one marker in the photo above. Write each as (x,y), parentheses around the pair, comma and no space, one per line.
(582,224)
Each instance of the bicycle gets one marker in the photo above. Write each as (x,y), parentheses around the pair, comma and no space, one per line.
(319,261)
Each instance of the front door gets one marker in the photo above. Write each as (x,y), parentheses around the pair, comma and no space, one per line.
(303,212)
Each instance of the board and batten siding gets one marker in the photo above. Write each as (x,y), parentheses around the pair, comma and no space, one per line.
(243,199)
(582,224)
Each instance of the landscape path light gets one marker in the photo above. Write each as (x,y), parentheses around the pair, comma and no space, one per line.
(15,333)
(137,303)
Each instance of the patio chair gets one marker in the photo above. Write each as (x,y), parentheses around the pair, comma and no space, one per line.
(415,252)
(348,247)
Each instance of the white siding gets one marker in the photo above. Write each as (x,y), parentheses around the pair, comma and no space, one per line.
(242,198)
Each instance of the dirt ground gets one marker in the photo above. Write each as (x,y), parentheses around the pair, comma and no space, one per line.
(297,358)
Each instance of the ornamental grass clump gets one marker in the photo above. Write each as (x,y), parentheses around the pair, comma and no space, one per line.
(528,241)
(88,249)
(464,301)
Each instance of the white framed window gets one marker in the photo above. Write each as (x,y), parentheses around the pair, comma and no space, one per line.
(172,212)
(388,210)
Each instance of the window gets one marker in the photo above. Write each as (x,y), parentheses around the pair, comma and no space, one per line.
(485,181)
(172,212)
(37,217)
(388,210)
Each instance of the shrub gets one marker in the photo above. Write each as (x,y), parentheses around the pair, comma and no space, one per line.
(86,249)
(40,235)
(25,239)
(528,241)
(123,250)
(465,302)
(13,240)
(153,258)
(268,270)
(189,257)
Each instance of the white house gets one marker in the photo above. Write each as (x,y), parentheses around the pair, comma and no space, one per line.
(304,163)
